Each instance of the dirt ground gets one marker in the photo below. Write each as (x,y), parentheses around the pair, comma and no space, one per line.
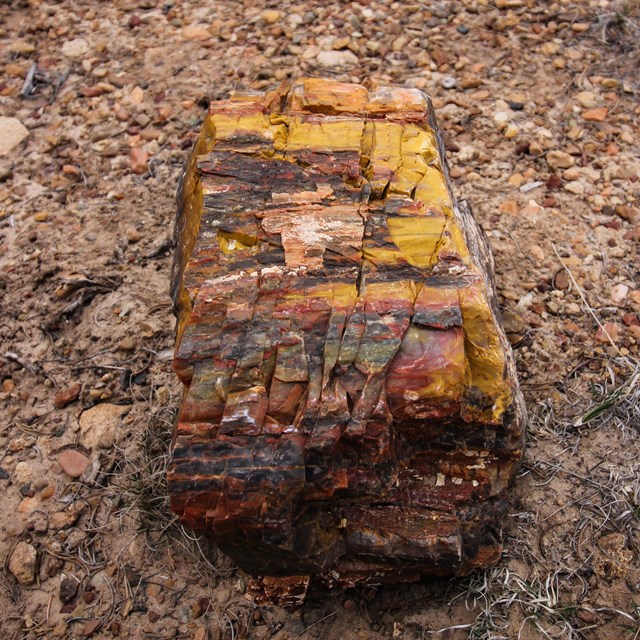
(539,105)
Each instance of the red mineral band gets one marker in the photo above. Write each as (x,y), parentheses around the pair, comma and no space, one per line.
(351,412)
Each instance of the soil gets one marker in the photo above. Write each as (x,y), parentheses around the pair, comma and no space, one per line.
(539,106)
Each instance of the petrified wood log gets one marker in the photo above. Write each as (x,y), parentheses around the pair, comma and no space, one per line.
(351,412)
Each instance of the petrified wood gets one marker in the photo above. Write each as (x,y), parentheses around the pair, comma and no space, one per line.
(351,412)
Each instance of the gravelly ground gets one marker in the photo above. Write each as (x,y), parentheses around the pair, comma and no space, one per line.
(539,104)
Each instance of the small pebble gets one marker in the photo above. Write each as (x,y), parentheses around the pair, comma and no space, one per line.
(67,396)
(448,82)
(73,463)
(68,589)
(619,293)
(138,159)
(596,115)
(75,48)
(22,562)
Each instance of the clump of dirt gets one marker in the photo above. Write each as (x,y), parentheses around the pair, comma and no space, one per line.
(100,103)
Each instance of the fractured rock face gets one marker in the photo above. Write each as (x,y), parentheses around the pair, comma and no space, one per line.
(351,413)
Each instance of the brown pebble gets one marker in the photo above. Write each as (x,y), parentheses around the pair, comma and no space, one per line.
(561,280)
(62,520)
(91,626)
(548,202)
(122,114)
(142,119)
(22,562)
(127,344)
(73,463)
(138,159)
(607,332)
(67,396)
(627,213)
(150,134)
(92,92)
(153,616)
(596,115)
(198,33)
(15,528)
(508,206)
(68,589)
(554,182)
(133,235)
(153,590)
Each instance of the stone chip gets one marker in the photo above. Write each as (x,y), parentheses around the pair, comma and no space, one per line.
(22,562)
(100,425)
(12,133)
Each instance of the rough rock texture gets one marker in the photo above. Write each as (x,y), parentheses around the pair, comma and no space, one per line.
(22,562)
(99,425)
(12,133)
(351,411)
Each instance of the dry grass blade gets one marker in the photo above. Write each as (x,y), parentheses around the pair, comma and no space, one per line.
(507,602)
(619,30)
(621,403)
(142,483)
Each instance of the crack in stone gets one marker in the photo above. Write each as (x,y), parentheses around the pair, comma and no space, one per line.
(378,420)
